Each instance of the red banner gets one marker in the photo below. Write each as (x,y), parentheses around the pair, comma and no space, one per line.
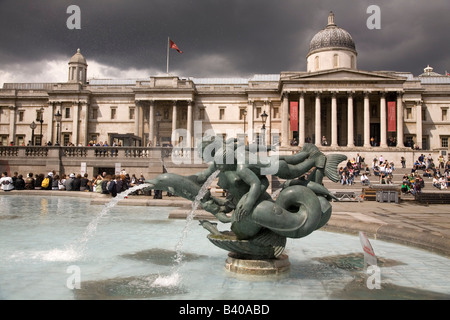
(392,119)
(294,116)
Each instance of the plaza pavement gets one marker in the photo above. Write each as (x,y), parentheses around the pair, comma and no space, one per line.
(408,222)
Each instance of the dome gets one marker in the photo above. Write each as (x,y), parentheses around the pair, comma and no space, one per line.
(332,37)
(78,58)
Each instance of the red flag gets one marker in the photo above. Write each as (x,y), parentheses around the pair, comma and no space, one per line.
(174,46)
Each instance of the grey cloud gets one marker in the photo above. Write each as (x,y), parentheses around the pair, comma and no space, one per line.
(245,37)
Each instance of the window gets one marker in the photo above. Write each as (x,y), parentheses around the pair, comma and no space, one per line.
(4,140)
(201,114)
(67,113)
(131,114)
(21,113)
(352,62)
(242,114)
(276,113)
(316,63)
(258,113)
(221,114)
(113,113)
(444,115)
(39,114)
(424,114)
(444,142)
(408,113)
(335,61)
(94,113)
(20,140)
(66,139)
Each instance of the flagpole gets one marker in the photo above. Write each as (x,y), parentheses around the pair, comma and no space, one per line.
(168,46)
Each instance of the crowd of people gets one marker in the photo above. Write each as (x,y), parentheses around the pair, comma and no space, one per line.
(102,183)
(382,172)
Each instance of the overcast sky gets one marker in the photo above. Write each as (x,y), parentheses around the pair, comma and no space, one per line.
(219,38)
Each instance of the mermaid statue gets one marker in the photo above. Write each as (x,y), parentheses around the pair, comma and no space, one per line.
(260,225)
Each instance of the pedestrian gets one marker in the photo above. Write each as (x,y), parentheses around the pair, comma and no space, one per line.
(55,182)
(29,182)
(77,183)
(6,182)
(84,183)
(403,162)
(38,181)
(69,182)
(19,184)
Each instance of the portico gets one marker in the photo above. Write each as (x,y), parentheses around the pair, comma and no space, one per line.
(347,107)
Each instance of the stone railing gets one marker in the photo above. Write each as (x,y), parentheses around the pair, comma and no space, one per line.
(87,152)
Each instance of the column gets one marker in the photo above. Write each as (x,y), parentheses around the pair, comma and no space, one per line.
(190,123)
(301,120)
(76,115)
(400,120)
(317,130)
(50,121)
(318,121)
(250,115)
(285,120)
(84,124)
(334,126)
(174,124)
(268,131)
(383,129)
(136,118)
(419,124)
(151,123)
(366,120)
(350,131)
(12,124)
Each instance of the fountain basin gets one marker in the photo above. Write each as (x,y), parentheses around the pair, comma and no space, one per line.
(133,246)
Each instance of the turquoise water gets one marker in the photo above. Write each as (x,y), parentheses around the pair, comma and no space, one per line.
(50,246)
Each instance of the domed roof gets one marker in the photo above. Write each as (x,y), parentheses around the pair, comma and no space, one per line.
(331,37)
(78,58)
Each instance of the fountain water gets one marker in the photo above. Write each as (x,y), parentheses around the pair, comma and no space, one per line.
(174,278)
(131,249)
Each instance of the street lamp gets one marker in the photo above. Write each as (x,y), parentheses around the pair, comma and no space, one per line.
(41,120)
(58,117)
(158,120)
(264,116)
(32,126)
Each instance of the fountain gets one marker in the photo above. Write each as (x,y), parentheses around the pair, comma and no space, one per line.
(260,225)
(133,254)
(130,249)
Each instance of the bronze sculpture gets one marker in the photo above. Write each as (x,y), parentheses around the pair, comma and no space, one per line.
(259,224)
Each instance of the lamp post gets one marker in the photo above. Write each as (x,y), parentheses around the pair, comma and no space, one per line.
(264,116)
(41,120)
(158,120)
(32,126)
(58,117)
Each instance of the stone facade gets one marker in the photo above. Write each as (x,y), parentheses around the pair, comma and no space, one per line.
(354,110)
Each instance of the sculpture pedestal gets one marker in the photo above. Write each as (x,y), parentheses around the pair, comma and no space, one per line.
(257,267)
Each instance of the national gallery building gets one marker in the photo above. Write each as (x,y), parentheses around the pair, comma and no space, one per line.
(332,104)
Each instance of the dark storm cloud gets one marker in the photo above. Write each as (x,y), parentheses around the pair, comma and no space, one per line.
(223,38)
